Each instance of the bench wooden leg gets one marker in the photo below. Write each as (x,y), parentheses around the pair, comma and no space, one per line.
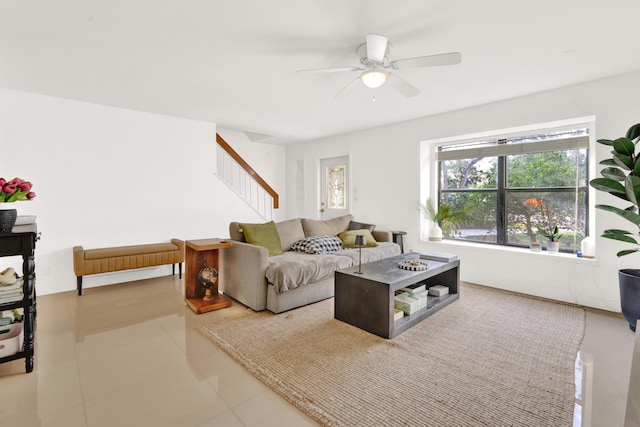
(173,270)
(79,280)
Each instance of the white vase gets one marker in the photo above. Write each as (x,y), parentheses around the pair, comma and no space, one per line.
(588,247)
(435,233)
(553,246)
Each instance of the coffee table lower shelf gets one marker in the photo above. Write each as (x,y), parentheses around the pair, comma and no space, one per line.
(434,305)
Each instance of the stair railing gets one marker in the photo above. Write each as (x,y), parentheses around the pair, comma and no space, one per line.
(244,180)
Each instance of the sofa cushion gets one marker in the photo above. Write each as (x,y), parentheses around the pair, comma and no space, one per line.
(292,269)
(265,235)
(290,231)
(235,232)
(348,238)
(324,244)
(331,226)
(355,225)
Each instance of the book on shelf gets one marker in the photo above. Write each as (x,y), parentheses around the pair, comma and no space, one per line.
(438,290)
(406,303)
(439,256)
(397,314)
(11,296)
(415,290)
(11,288)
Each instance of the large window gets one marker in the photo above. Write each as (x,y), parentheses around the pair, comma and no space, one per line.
(517,189)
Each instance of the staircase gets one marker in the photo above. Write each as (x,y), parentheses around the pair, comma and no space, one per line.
(234,171)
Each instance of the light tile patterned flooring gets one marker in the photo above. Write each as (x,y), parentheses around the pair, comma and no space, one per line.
(130,355)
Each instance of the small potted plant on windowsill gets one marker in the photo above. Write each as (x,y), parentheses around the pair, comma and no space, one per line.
(552,233)
(445,221)
(621,178)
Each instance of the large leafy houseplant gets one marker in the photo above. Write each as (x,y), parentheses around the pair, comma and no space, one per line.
(621,178)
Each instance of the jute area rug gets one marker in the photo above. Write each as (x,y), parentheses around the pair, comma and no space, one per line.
(491,358)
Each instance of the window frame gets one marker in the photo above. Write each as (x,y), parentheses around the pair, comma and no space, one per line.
(431,179)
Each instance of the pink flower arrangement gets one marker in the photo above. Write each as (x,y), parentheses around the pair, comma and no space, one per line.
(15,190)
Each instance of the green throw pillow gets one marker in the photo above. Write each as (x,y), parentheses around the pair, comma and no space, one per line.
(265,235)
(349,238)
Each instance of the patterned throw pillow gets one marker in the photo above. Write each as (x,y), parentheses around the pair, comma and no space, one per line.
(324,244)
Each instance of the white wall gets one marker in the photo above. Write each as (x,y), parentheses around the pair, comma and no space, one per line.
(106,176)
(385,168)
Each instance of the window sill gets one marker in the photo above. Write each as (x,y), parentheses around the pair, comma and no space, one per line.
(509,249)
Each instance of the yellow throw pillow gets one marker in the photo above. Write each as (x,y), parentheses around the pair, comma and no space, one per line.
(265,235)
(349,238)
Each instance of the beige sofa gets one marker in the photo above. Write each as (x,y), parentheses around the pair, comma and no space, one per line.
(293,278)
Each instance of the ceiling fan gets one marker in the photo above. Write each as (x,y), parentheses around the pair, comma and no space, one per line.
(376,68)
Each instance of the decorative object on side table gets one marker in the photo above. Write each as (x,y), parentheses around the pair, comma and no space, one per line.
(208,277)
(201,255)
(12,191)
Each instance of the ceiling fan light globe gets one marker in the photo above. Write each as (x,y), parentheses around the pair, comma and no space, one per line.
(373,78)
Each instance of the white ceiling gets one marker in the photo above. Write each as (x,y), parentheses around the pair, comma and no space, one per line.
(234,62)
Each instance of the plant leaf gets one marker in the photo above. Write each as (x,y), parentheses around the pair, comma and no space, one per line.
(607,184)
(624,146)
(636,168)
(608,162)
(628,215)
(626,252)
(623,161)
(632,187)
(605,142)
(614,173)
(634,132)
(621,237)
(613,230)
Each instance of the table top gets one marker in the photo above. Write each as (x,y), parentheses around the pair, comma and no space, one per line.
(387,271)
(208,244)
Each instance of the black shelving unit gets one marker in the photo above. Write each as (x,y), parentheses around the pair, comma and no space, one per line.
(22,242)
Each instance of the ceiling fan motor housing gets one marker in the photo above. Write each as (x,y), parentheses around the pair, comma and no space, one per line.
(364,59)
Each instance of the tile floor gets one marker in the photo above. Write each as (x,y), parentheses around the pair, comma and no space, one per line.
(130,355)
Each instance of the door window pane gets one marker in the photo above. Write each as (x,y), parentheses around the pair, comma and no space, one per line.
(336,181)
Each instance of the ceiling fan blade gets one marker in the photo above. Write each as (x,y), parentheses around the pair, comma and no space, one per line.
(331,70)
(344,89)
(402,86)
(376,47)
(451,58)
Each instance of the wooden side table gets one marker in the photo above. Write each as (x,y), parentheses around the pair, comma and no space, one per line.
(203,253)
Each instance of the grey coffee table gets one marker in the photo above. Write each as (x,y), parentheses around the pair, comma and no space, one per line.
(366,300)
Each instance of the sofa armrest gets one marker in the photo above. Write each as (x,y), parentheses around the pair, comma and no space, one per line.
(382,236)
(243,274)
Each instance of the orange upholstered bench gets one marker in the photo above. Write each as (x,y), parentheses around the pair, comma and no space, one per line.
(105,260)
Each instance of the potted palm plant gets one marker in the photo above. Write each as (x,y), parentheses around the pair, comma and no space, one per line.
(621,178)
(445,221)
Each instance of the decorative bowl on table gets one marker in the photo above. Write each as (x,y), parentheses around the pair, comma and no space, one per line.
(413,265)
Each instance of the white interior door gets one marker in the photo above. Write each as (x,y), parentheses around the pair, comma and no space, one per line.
(334,187)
